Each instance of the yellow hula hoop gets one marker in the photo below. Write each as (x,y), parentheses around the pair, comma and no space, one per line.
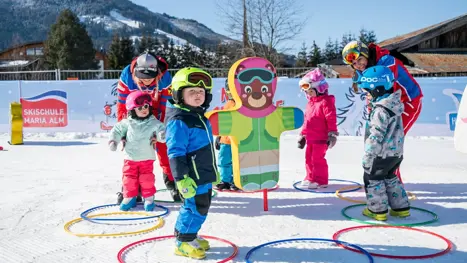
(339,195)
(159,224)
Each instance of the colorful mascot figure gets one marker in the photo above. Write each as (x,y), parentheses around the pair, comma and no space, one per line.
(254,124)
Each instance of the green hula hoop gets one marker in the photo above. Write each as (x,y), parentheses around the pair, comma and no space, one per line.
(435,217)
(214,194)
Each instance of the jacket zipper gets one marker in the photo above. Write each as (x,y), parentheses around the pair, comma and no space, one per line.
(194,166)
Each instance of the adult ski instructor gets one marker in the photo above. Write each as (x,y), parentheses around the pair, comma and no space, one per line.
(149,73)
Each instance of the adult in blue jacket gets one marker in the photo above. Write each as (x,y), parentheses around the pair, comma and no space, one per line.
(191,155)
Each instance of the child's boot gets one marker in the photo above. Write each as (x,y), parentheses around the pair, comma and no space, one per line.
(377,200)
(119,197)
(380,217)
(233,187)
(190,249)
(149,203)
(223,186)
(401,214)
(128,203)
(203,243)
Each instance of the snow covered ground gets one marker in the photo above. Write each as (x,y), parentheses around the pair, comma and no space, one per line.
(54,177)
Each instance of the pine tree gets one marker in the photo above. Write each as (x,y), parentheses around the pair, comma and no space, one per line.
(68,45)
(302,59)
(337,49)
(121,52)
(329,52)
(315,56)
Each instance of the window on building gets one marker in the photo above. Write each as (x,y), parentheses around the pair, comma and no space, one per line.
(39,51)
(30,52)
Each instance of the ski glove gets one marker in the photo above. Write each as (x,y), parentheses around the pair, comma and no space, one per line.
(113,145)
(301,142)
(332,139)
(187,187)
(218,143)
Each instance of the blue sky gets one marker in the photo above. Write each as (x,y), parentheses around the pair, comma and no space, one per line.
(332,18)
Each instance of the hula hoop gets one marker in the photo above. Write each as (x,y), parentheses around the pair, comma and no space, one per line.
(249,192)
(74,221)
(355,201)
(84,215)
(214,194)
(435,217)
(446,250)
(328,192)
(129,246)
(357,248)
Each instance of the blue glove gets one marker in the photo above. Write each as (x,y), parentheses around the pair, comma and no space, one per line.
(187,187)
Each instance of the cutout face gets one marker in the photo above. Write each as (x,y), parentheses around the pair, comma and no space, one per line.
(255,83)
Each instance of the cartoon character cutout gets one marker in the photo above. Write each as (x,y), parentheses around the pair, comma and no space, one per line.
(254,124)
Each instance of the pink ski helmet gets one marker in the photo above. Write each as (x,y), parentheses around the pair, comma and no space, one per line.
(137,99)
(314,79)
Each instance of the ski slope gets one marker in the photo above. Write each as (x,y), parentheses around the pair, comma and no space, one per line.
(54,177)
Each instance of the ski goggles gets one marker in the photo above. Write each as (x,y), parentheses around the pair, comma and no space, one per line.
(199,79)
(247,76)
(350,56)
(143,101)
(305,85)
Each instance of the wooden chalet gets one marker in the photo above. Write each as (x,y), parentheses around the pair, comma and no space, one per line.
(437,50)
(28,57)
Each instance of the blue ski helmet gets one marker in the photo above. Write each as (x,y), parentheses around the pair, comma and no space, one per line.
(377,80)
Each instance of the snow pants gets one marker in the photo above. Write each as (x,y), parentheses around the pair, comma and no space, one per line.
(383,188)
(193,213)
(316,163)
(138,175)
(225,163)
(161,151)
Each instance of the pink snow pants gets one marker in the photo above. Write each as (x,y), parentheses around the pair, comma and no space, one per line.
(316,164)
(138,174)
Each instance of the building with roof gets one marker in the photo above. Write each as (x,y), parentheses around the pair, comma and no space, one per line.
(437,50)
(28,56)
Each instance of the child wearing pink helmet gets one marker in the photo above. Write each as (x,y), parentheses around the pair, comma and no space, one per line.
(319,130)
(139,155)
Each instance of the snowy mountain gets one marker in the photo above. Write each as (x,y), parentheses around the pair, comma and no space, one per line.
(31,20)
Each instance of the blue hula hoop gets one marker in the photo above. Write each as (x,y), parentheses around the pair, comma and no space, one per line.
(85,213)
(366,253)
(329,192)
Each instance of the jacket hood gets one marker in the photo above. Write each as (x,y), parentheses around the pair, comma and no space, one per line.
(393,102)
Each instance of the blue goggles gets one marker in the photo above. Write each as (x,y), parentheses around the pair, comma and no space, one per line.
(247,76)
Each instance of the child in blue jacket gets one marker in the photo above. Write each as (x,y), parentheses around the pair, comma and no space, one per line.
(192,157)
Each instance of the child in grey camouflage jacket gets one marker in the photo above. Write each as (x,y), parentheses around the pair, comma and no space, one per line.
(384,146)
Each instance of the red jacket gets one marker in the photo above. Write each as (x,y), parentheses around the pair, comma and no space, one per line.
(160,90)
(320,119)
(404,81)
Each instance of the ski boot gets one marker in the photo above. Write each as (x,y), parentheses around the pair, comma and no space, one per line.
(149,204)
(223,186)
(234,188)
(139,199)
(380,217)
(401,214)
(203,243)
(190,249)
(128,203)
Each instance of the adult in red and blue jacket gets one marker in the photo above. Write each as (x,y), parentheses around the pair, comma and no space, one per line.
(361,57)
(137,77)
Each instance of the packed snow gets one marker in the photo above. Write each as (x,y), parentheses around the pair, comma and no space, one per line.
(119,17)
(53,177)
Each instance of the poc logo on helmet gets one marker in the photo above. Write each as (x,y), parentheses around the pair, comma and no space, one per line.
(365,79)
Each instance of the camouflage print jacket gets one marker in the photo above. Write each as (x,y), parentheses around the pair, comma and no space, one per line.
(384,133)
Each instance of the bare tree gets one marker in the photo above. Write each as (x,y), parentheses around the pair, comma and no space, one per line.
(271,23)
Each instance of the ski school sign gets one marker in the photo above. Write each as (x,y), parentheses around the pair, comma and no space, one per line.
(90,105)
(48,109)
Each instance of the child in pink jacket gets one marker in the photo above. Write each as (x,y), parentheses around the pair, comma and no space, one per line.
(319,131)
